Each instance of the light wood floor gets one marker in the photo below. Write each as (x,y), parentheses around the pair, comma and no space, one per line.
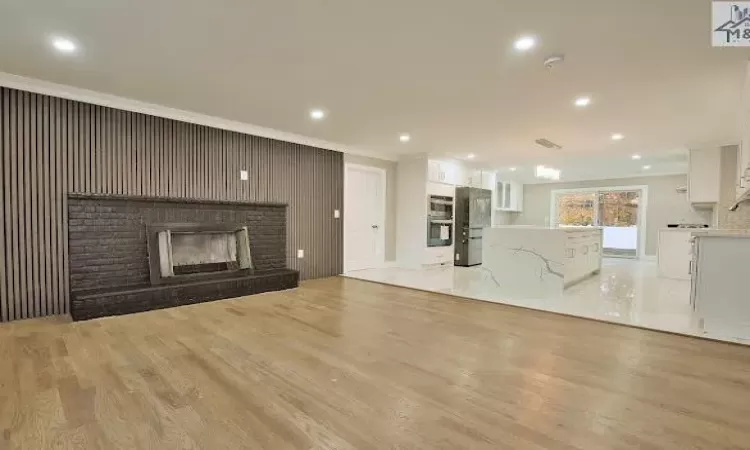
(346,364)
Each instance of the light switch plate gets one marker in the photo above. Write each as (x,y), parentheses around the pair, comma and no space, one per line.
(243,175)
(300,253)
(336,214)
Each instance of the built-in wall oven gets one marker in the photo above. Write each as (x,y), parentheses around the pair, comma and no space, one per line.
(440,221)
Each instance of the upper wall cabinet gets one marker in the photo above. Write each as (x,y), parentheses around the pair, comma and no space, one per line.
(704,177)
(454,173)
(442,172)
(475,178)
(509,196)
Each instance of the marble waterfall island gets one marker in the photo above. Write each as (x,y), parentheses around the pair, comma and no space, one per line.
(538,262)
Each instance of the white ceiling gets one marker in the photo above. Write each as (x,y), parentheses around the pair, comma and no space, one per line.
(599,167)
(442,70)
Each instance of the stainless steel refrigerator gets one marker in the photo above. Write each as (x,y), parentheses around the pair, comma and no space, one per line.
(473,207)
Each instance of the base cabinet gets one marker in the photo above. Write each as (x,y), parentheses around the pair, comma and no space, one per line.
(719,294)
(438,255)
(675,253)
(583,253)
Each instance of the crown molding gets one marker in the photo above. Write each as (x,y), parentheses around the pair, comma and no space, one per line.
(98,98)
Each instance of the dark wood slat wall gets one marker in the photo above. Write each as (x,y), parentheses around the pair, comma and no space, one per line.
(50,147)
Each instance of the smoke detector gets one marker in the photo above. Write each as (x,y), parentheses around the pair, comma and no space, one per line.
(553,60)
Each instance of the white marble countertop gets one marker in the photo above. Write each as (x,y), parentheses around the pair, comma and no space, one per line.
(722,233)
(534,227)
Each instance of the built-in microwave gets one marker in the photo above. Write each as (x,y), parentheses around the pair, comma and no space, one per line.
(440,221)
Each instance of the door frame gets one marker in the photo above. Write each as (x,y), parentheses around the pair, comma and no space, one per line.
(348,196)
(642,210)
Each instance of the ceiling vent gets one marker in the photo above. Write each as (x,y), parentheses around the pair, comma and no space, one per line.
(547,143)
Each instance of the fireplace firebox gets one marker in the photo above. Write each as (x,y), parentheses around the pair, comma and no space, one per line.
(181,251)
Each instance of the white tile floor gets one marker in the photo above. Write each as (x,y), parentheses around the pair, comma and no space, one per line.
(626,291)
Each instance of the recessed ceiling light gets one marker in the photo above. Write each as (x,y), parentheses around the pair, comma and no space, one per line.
(64,45)
(636,157)
(583,101)
(404,137)
(513,169)
(525,43)
(646,167)
(317,114)
(617,137)
(471,156)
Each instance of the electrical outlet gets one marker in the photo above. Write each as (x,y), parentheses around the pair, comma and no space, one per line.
(243,175)
(300,253)
(336,214)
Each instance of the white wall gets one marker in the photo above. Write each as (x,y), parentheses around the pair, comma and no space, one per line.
(411,210)
(390,168)
(665,205)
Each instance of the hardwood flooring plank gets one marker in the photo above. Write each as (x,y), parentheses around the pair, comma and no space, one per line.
(345,364)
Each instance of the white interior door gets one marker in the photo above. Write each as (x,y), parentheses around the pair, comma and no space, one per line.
(364,217)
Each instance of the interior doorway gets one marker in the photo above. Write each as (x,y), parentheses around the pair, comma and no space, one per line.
(364,217)
(620,211)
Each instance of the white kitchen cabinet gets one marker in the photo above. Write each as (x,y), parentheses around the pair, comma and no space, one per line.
(488,181)
(436,172)
(443,172)
(438,255)
(473,178)
(704,177)
(675,252)
(583,250)
(718,288)
(509,196)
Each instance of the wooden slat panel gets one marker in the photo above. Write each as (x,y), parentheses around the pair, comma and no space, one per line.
(13,228)
(43,189)
(4,293)
(50,147)
(55,265)
(25,203)
(68,127)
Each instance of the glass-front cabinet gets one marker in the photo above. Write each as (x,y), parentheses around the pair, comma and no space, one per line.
(508,196)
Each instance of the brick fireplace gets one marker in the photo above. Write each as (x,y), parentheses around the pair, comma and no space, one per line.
(132,254)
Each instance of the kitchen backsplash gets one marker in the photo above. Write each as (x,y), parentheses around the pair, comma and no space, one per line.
(735,220)
(726,219)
